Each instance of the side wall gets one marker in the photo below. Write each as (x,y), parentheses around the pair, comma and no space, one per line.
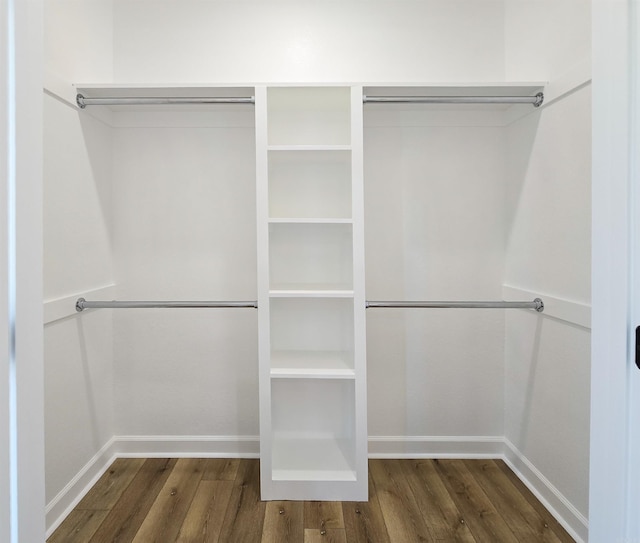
(77,261)
(547,383)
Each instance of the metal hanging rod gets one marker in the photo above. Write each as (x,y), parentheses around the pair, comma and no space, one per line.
(537,304)
(83,101)
(535,100)
(82,304)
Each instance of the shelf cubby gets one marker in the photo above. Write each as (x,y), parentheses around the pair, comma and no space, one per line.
(313,430)
(309,256)
(309,116)
(312,337)
(310,184)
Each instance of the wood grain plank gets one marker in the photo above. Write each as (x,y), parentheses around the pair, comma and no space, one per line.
(203,522)
(332,535)
(323,515)
(221,469)
(170,508)
(107,491)
(363,521)
(78,527)
(547,517)
(283,522)
(401,513)
(245,514)
(129,512)
(438,508)
(484,521)
(522,519)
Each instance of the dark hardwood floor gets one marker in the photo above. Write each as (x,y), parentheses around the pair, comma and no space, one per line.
(218,500)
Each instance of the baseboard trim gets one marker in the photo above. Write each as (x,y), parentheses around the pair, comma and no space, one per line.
(556,503)
(188,446)
(64,502)
(436,447)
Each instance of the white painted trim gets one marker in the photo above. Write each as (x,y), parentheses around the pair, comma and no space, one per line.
(557,308)
(573,79)
(436,446)
(59,89)
(60,506)
(555,502)
(187,446)
(59,308)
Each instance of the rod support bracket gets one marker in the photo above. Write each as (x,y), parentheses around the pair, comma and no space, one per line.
(80,101)
(539,99)
(80,304)
(540,305)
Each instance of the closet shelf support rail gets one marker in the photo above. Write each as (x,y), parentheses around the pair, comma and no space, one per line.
(536,100)
(82,304)
(536,304)
(84,101)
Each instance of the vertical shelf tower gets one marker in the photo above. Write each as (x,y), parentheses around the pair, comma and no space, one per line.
(313,428)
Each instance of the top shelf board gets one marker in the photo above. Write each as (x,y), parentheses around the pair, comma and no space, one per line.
(166,91)
(458,90)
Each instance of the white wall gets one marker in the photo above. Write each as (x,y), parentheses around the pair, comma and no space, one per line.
(279,41)
(78,40)
(545,39)
(186,230)
(434,226)
(77,260)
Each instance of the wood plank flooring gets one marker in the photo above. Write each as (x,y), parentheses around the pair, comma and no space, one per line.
(218,500)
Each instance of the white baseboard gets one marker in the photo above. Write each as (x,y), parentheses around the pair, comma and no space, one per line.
(188,446)
(64,502)
(560,507)
(379,447)
(436,447)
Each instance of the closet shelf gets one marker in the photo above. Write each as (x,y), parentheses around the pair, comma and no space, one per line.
(308,459)
(310,292)
(304,220)
(313,147)
(312,364)
(459,90)
(164,91)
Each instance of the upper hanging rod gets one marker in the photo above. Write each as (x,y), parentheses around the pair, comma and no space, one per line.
(82,304)
(83,101)
(537,304)
(535,100)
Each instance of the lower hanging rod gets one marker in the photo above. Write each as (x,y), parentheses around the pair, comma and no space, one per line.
(83,101)
(82,304)
(536,100)
(536,304)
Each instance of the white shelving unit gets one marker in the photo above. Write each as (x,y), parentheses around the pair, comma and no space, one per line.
(311,293)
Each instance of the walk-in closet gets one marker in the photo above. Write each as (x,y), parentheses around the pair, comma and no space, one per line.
(316,234)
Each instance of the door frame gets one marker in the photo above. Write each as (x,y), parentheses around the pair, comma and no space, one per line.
(613,491)
(22,496)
